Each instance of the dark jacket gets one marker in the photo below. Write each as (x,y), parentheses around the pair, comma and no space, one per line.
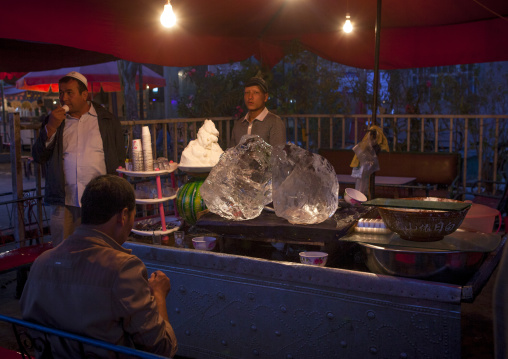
(52,157)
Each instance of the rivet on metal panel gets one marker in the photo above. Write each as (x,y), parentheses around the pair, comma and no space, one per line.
(253,327)
(177,310)
(221,295)
(250,296)
(187,332)
(232,323)
(283,309)
(330,315)
(371,314)
(277,333)
(182,289)
(373,350)
(255,352)
(225,343)
(403,356)
(343,343)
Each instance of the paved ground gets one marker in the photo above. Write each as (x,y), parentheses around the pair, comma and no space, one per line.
(477,339)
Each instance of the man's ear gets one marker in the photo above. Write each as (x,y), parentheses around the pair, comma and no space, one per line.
(123,216)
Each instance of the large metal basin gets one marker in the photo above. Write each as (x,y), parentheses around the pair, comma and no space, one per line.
(422,263)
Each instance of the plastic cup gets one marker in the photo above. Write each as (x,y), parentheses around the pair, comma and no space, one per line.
(179,237)
(156,239)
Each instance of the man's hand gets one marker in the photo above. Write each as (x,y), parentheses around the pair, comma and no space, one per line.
(159,284)
(55,120)
(160,287)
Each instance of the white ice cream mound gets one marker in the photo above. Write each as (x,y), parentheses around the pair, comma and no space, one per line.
(203,151)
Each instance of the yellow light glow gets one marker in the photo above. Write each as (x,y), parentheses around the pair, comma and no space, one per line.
(168,17)
(348,27)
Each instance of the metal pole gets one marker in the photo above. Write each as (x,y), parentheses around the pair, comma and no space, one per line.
(4,117)
(141,109)
(372,179)
(17,180)
(376,64)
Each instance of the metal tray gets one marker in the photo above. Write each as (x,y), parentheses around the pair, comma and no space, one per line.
(417,204)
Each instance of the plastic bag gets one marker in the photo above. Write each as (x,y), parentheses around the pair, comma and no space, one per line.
(368,160)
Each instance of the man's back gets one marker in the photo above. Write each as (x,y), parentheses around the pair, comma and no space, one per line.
(90,285)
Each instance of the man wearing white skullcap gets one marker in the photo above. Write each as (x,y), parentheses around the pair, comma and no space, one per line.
(78,142)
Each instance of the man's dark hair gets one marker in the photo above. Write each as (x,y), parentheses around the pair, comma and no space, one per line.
(39,102)
(81,85)
(104,197)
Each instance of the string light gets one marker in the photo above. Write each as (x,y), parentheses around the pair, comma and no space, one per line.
(168,17)
(348,27)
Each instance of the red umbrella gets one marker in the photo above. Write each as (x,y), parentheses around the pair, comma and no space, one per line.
(99,76)
(11,75)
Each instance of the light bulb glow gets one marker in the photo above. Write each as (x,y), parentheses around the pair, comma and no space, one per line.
(168,17)
(348,27)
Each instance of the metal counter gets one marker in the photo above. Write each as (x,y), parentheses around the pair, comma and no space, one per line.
(230,306)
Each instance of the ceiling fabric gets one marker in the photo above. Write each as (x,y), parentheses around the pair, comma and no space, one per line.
(415,33)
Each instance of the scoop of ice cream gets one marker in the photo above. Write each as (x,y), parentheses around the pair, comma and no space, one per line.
(203,151)
(66,108)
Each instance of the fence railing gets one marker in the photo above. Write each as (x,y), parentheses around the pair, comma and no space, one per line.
(480,139)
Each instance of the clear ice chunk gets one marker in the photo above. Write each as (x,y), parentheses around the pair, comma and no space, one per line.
(304,184)
(240,184)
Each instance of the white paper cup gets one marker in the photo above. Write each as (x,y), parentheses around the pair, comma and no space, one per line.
(136,146)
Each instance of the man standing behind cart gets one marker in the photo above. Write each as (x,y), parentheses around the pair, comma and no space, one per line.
(258,121)
(75,146)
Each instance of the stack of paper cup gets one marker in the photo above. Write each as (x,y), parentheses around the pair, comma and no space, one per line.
(137,156)
(147,148)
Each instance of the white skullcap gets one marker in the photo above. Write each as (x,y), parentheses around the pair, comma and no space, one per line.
(78,77)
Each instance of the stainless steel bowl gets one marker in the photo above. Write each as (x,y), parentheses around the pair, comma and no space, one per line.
(421,263)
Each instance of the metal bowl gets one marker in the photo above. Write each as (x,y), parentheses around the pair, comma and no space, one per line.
(421,263)
(422,225)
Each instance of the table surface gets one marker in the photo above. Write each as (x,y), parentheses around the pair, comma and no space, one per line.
(380,180)
(268,225)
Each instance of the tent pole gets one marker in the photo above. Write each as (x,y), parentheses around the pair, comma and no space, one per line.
(4,118)
(141,110)
(375,91)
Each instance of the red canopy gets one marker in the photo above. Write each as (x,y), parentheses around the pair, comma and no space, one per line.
(99,76)
(415,33)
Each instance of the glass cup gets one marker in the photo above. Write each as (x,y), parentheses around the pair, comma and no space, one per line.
(156,238)
(179,236)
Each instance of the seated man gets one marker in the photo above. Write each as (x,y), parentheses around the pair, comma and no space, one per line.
(90,285)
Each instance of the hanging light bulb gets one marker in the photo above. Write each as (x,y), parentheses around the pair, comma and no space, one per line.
(168,17)
(348,27)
